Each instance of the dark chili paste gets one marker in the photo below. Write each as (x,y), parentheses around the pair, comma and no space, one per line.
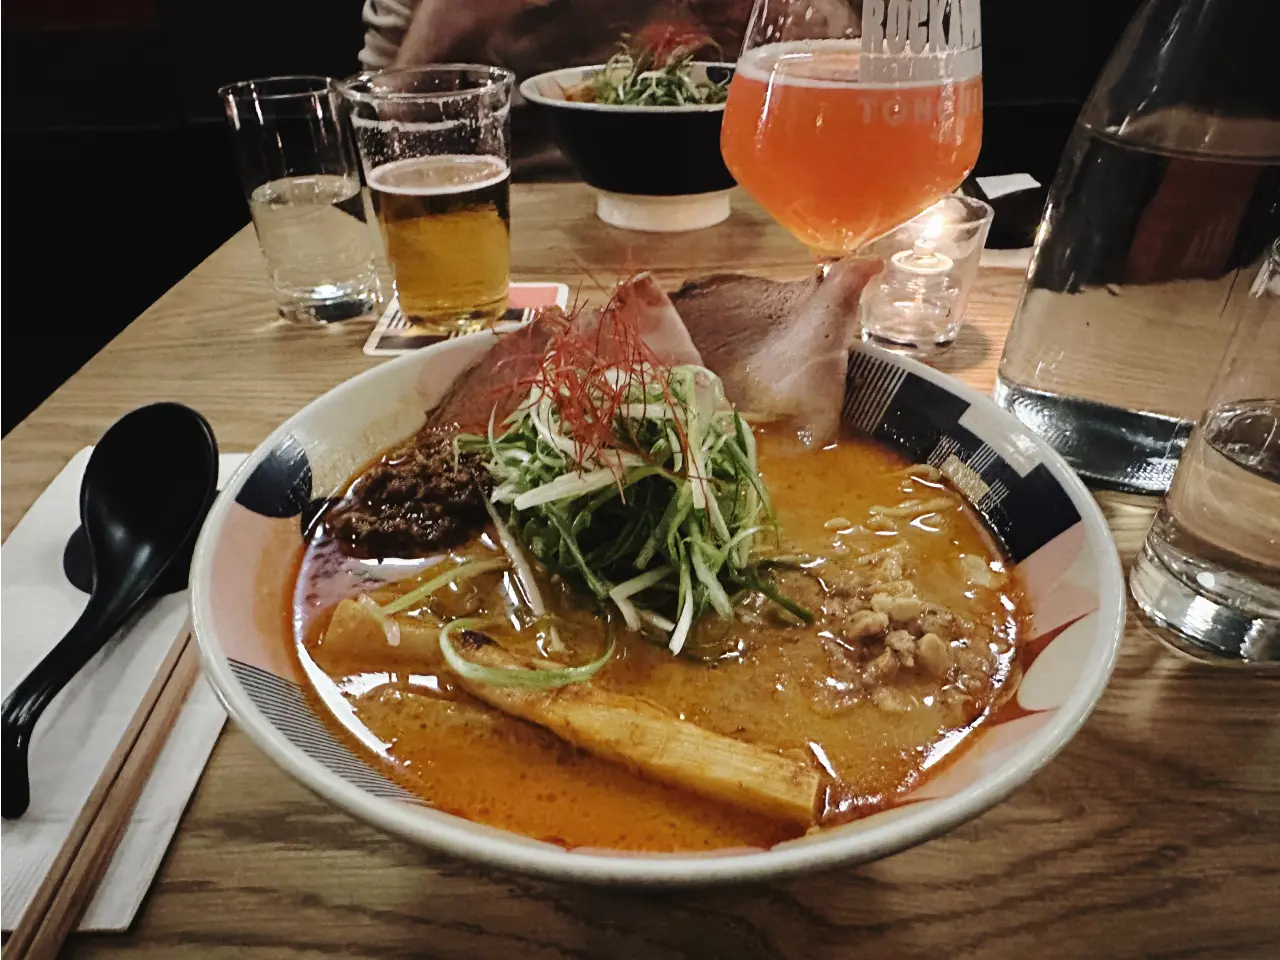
(417,500)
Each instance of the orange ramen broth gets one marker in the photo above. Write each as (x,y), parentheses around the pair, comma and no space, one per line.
(468,759)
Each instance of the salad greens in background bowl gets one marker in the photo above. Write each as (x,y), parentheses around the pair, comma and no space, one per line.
(644,131)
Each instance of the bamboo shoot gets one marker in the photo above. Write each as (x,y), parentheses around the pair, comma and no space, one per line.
(646,738)
(354,632)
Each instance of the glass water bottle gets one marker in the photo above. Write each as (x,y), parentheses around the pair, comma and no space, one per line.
(1169,187)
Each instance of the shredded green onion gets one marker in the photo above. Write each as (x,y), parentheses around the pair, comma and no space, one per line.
(661,522)
(385,614)
(632,78)
(390,629)
(462,571)
(524,577)
(541,678)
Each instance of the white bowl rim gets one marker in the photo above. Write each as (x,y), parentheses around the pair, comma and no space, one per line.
(529,90)
(450,834)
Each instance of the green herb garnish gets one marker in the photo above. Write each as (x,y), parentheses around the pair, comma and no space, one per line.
(537,678)
(654,70)
(638,484)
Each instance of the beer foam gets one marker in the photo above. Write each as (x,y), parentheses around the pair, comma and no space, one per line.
(838,64)
(497,115)
(439,175)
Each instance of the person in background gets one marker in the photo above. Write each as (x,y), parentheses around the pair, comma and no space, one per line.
(533,36)
(530,36)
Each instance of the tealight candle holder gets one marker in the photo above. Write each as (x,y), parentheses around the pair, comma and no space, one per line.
(915,305)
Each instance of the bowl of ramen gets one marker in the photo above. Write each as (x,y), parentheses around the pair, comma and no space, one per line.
(644,131)
(675,590)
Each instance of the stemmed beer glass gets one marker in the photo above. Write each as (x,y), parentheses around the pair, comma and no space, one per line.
(848,117)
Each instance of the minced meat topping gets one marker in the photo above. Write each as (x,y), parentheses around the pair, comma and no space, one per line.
(417,500)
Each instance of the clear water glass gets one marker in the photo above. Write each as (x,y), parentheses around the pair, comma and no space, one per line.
(1210,568)
(301,177)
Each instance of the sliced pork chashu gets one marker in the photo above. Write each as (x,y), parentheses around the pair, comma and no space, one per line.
(781,348)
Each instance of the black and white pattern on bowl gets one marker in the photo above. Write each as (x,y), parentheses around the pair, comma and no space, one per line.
(1017,496)
(283,703)
(280,486)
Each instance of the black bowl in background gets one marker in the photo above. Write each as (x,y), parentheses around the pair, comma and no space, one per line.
(660,167)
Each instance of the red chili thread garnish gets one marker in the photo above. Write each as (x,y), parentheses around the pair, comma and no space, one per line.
(666,42)
(574,377)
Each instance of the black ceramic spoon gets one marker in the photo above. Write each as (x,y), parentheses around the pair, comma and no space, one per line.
(145,493)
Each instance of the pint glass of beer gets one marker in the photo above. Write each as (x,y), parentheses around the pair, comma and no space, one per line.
(847,118)
(435,143)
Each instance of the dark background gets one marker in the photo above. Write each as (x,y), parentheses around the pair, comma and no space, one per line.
(119,179)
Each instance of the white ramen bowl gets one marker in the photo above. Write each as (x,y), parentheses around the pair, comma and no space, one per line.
(246,559)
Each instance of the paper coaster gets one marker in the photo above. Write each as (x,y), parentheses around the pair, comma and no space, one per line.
(394,334)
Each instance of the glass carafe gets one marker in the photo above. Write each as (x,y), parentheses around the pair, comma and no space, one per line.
(1168,188)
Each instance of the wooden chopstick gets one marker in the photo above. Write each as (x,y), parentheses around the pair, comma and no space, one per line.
(84,857)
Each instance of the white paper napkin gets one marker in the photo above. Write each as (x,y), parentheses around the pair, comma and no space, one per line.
(1018,259)
(82,727)
(1006,183)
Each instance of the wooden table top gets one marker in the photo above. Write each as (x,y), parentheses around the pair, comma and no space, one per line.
(1156,833)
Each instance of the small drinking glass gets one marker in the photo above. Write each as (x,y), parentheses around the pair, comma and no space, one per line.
(436,146)
(1210,568)
(916,304)
(302,181)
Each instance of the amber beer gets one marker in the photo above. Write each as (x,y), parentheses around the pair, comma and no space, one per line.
(839,159)
(446,222)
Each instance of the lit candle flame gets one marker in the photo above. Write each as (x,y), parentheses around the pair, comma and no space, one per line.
(933,227)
